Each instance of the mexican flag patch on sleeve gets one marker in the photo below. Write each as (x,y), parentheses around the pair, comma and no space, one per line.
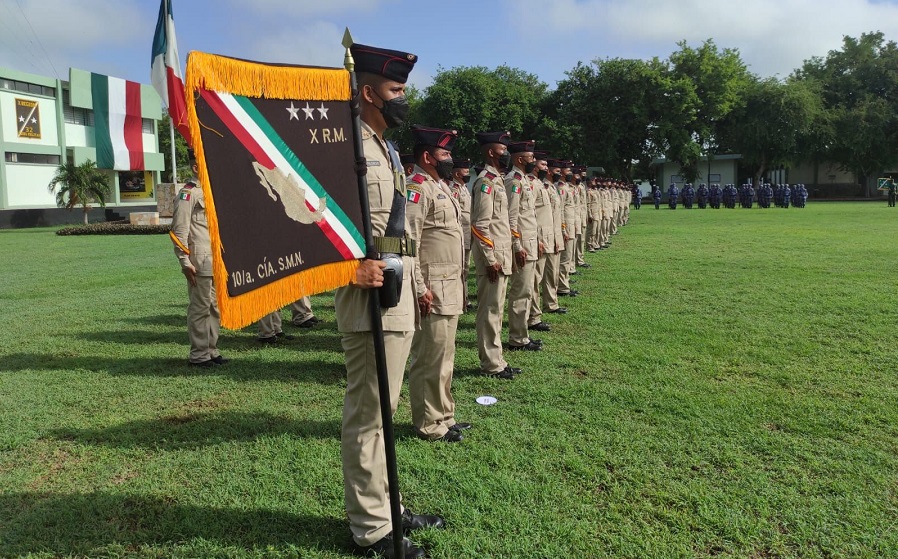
(486,189)
(413,195)
(184,196)
(516,189)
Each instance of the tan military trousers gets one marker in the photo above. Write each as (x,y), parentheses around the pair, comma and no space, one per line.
(490,307)
(592,239)
(536,311)
(605,231)
(430,375)
(567,264)
(301,311)
(579,242)
(365,486)
(465,271)
(270,325)
(203,320)
(550,281)
(519,293)
(614,219)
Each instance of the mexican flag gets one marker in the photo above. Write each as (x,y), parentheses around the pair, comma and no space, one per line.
(118,123)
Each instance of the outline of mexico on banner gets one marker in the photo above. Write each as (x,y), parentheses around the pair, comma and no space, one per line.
(274,148)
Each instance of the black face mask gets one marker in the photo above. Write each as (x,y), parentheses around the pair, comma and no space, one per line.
(505,160)
(444,169)
(395,110)
(556,177)
(542,174)
(529,167)
(569,178)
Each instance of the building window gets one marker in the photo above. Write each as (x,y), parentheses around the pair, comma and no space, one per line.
(32,158)
(75,115)
(147,126)
(25,87)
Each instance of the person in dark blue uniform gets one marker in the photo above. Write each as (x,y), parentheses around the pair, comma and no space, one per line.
(787,195)
(672,194)
(714,196)
(688,195)
(637,197)
(701,196)
(656,196)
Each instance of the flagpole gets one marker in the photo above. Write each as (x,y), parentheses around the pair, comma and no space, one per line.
(377,331)
(174,161)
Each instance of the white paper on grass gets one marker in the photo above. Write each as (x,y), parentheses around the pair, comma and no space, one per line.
(486,400)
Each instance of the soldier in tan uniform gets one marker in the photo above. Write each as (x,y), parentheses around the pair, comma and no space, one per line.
(461,173)
(524,245)
(382,75)
(435,220)
(301,313)
(594,208)
(545,237)
(190,235)
(580,187)
(553,254)
(570,216)
(492,252)
(607,196)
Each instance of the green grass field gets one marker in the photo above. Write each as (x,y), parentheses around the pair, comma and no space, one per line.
(725,388)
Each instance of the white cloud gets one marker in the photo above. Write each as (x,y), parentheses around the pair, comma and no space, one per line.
(316,43)
(773,36)
(310,7)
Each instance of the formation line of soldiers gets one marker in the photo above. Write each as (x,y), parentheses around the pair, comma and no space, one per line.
(781,195)
(526,222)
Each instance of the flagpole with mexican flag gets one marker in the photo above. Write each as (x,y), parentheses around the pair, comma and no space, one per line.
(165,74)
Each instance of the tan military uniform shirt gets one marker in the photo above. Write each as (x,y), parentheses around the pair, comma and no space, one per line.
(190,231)
(570,213)
(463,197)
(582,200)
(489,220)
(557,216)
(607,202)
(545,225)
(594,206)
(351,302)
(522,213)
(435,219)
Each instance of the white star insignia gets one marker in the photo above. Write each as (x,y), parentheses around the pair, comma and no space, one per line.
(21,119)
(294,111)
(33,120)
(323,112)
(309,112)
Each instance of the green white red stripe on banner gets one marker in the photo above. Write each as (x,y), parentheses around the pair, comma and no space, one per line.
(258,137)
(118,123)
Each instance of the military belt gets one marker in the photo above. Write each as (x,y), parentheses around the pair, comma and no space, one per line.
(403,246)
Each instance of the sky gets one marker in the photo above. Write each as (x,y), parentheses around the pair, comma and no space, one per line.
(545,37)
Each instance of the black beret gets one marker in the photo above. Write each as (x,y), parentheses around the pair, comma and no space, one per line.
(541,155)
(484,138)
(391,64)
(406,158)
(434,137)
(520,147)
(565,164)
(461,164)
(555,163)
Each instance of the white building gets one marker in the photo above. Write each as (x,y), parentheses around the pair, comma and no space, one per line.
(46,121)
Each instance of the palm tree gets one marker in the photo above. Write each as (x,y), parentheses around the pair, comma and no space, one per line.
(80,185)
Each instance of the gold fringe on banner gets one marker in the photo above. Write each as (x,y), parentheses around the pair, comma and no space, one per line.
(255,79)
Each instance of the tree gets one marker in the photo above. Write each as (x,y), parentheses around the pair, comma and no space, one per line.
(858,85)
(774,125)
(180,151)
(476,99)
(713,82)
(608,114)
(80,185)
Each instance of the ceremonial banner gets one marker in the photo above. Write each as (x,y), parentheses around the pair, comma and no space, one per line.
(28,118)
(118,123)
(274,148)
